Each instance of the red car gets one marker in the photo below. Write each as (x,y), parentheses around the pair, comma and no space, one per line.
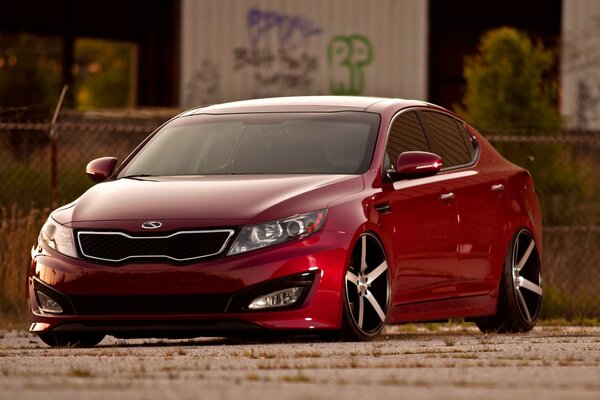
(319,215)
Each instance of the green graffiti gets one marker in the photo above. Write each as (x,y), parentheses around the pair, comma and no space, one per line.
(347,57)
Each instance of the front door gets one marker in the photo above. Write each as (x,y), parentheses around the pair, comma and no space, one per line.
(422,222)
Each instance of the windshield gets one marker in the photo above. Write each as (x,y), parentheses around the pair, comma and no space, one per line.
(260,143)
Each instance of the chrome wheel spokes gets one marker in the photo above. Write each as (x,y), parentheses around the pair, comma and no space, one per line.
(527,275)
(363,254)
(524,283)
(368,279)
(376,306)
(526,256)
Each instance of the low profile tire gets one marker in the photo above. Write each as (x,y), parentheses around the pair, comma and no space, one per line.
(520,296)
(367,290)
(68,339)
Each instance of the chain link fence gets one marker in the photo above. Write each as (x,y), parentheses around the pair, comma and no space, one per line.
(25,150)
(565,167)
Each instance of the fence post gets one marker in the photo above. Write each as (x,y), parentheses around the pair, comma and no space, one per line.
(54,149)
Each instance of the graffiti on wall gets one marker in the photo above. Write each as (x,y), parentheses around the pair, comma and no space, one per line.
(203,85)
(277,52)
(272,67)
(290,31)
(347,57)
(285,54)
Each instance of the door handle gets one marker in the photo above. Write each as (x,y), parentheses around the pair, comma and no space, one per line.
(447,196)
(498,188)
(383,208)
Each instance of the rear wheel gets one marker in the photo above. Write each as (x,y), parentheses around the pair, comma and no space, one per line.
(367,290)
(71,339)
(520,296)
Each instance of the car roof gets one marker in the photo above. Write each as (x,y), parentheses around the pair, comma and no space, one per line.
(307,104)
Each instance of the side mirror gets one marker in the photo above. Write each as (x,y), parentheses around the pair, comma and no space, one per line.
(101,168)
(415,164)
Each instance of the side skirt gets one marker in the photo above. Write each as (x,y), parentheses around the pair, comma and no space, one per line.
(459,307)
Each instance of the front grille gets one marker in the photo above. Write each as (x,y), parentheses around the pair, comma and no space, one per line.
(147,305)
(181,246)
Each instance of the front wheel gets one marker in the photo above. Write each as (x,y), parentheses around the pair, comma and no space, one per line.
(520,296)
(367,290)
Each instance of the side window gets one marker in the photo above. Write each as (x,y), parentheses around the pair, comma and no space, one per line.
(446,139)
(406,134)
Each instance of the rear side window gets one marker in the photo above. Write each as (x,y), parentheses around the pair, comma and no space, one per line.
(406,134)
(446,139)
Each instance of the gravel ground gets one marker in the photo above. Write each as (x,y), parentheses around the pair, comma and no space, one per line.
(414,361)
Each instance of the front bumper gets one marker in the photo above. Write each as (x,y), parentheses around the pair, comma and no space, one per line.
(209,297)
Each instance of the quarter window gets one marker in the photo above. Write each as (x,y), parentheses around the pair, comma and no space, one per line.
(469,140)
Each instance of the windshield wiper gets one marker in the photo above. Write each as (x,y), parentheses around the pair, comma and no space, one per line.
(136,176)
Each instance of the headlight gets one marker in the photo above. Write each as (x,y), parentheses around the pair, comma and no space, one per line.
(254,237)
(59,237)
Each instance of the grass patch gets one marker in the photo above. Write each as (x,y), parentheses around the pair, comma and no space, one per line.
(450,341)
(298,377)
(80,373)
(582,321)
(19,229)
(307,354)
(252,377)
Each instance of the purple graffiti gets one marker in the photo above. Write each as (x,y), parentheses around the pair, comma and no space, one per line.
(291,31)
(266,59)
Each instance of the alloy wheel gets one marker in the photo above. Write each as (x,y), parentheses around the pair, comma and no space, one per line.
(527,276)
(368,285)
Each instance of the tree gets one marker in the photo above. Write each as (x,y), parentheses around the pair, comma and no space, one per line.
(506,85)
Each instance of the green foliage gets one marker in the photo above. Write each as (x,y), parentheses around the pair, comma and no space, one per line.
(571,306)
(565,180)
(506,85)
(508,91)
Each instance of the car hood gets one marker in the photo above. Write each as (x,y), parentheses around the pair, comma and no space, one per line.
(204,200)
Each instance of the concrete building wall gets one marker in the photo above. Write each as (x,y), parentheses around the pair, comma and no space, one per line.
(580,64)
(234,50)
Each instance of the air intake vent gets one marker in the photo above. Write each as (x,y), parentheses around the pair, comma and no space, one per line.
(149,305)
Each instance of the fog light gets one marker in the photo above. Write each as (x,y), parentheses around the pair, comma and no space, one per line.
(281,298)
(47,304)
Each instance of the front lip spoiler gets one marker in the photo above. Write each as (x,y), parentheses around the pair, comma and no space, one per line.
(161,329)
(183,329)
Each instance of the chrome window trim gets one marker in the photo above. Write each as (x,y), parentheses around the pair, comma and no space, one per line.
(225,243)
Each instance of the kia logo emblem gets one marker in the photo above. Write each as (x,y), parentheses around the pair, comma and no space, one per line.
(151,225)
